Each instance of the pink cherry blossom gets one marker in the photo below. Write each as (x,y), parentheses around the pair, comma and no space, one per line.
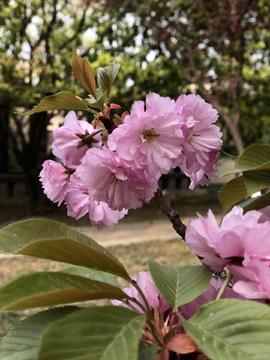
(150,138)
(80,203)
(146,284)
(73,139)
(241,243)
(200,238)
(107,178)
(240,236)
(203,143)
(265,214)
(253,279)
(55,180)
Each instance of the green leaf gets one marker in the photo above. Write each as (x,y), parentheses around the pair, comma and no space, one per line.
(97,103)
(90,274)
(53,288)
(232,329)
(233,192)
(22,342)
(83,72)
(106,76)
(256,180)
(48,239)
(63,100)
(256,203)
(255,157)
(180,285)
(97,333)
(148,353)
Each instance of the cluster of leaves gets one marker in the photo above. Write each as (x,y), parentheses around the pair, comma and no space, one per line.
(222,329)
(84,74)
(254,164)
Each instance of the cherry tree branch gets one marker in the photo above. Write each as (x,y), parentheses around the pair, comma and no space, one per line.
(172,215)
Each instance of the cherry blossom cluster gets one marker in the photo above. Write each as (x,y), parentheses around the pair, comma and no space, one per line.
(241,244)
(105,173)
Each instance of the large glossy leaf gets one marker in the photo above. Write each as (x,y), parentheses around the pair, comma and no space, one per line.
(262,177)
(22,342)
(48,239)
(97,333)
(233,192)
(83,72)
(256,157)
(148,353)
(53,288)
(90,274)
(63,100)
(179,285)
(256,203)
(252,184)
(232,329)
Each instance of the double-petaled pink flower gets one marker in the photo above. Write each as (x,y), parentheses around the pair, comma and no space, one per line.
(150,138)
(241,243)
(80,203)
(55,180)
(107,178)
(73,139)
(201,149)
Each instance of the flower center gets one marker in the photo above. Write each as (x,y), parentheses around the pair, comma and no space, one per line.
(149,135)
(114,178)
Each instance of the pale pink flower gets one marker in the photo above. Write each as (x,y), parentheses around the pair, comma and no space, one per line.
(80,203)
(107,178)
(200,238)
(253,279)
(203,143)
(73,139)
(146,284)
(265,214)
(150,138)
(241,243)
(55,180)
(239,237)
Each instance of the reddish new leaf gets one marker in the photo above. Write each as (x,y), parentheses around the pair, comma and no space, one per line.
(182,344)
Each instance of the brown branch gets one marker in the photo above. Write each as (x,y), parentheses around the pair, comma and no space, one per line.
(172,215)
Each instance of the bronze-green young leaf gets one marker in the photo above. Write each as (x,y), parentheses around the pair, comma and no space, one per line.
(48,239)
(53,288)
(90,274)
(84,74)
(256,203)
(22,341)
(233,192)
(96,333)
(63,100)
(107,75)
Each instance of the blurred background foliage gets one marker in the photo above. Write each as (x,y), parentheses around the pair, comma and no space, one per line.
(216,48)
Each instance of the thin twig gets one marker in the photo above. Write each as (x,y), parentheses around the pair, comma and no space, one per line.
(172,215)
